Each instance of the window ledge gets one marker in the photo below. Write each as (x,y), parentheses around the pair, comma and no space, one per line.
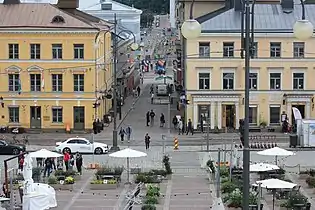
(57,123)
(14,124)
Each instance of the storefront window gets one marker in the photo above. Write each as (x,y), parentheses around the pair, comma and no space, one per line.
(204,111)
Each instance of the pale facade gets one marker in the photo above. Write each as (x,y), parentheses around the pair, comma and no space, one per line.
(281,75)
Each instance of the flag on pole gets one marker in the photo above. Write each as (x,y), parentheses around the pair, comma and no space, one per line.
(43,80)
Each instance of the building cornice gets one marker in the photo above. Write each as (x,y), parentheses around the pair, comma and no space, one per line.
(277,60)
(238,34)
(48,30)
(296,93)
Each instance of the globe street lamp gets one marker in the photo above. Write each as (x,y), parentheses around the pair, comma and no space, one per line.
(191,28)
(303,29)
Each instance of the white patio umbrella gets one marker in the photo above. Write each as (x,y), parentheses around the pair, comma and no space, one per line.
(44,153)
(275,184)
(27,174)
(128,153)
(276,151)
(261,167)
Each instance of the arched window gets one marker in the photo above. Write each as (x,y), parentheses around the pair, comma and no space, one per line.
(58,19)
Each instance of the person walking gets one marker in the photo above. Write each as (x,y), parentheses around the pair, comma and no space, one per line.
(48,167)
(147,141)
(66,159)
(175,121)
(122,133)
(148,118)
(79,162)
(128,132)
(162,120)
(189,128)
(152,115)
(138,90)
(71,162)
(180,126)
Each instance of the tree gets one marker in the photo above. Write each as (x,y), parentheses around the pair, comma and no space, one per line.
(146,19)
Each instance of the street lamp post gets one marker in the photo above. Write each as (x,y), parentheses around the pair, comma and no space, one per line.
(133,46)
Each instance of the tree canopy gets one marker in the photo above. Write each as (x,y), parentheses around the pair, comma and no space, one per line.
(153,6)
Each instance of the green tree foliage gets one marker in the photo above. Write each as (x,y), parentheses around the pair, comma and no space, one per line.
(154,6)
(147,19)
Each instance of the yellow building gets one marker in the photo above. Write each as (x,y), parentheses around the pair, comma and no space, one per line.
(281,75)
(53,65)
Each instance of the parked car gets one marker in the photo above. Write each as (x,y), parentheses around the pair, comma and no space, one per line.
(82,145)
(11,149)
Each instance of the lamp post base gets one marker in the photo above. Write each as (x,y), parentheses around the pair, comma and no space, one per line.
(114,149)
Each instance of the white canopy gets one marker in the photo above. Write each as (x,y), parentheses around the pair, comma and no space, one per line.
(276,184)
(276,151)
(128,153)
(260,167)
(44,153)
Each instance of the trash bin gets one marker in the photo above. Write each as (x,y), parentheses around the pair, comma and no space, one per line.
(293,141)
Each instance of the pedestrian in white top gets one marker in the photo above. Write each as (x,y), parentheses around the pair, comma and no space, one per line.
(180,126)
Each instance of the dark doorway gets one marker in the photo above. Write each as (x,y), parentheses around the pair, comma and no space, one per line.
(78,118)
(301,108)
(35,117)
(230,116)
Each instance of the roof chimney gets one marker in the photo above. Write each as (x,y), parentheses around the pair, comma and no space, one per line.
(11,2)
(68,4)
(238,5)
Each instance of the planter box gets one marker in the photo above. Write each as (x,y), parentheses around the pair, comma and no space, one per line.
(62,186)
(103,186)
(303,176)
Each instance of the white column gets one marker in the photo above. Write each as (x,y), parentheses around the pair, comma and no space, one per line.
(172,13)
(308,110)
(288,111)
(195,121)
(219,115)
(237,115)
(212,114)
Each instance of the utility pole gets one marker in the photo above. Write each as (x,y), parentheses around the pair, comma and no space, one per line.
(218,173)
(115,143)
(208,133)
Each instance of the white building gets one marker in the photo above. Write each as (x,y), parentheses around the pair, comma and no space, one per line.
(127,17)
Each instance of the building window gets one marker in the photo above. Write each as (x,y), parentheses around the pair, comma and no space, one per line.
(254,52)
(14,82)
(57,51)
(298,49)
(14,115)
(13,51)
(228,49)
(56,82)
(275,81)
(35,82)
(57,114)
(78,82)
(298,81)
(274,114)
(253,81)
(78,51)
(253,113)
(204,49)
(35,51)
(228,81)
(204,81)
(204,111)
(275,49)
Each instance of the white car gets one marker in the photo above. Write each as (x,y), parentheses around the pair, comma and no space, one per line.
(82,145)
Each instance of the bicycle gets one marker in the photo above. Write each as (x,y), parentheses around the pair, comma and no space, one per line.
(15,140)
(25,140)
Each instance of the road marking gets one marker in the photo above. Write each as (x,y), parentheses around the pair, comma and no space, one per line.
(168,193)
(77,195)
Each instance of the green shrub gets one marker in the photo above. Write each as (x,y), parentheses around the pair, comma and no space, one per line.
(225,179)
(52,180)
(151,200)
(148,207)
(118,170)
(235,199)
(153,191)
(104,171)
(69,180)
(295,199)
(224,171)
(167,165)
(146,178)
(96,181)
(228,187)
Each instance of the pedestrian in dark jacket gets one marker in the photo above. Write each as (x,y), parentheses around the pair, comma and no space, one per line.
(122,133)
(148,118)
(175,121)
(147,141)
(138,90)
(162,120)
(152,115)
(79,162)
(48,167)
(189,128)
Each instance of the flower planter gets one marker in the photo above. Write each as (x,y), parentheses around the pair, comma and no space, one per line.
(62,186)
(103,186)
(303,176)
